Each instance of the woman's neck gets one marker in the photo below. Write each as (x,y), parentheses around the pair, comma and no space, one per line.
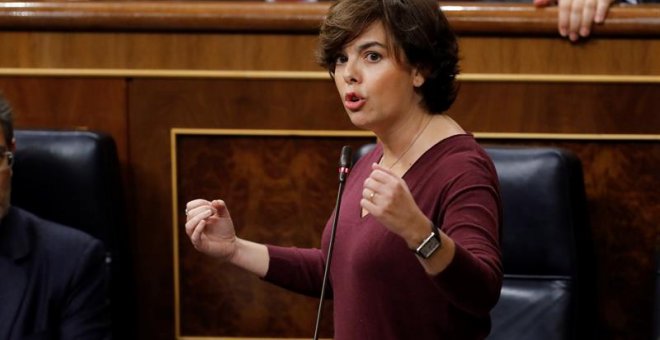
(403,140)
(407,142)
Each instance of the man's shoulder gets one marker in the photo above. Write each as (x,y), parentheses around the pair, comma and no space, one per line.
(53,236)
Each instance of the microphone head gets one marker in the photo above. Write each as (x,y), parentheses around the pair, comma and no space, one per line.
(346,158)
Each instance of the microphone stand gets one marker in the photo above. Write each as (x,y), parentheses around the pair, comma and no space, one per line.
(344,168)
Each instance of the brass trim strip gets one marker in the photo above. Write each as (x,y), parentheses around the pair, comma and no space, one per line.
(265,132)
(314,75)
(567,136)
(175,236)
(556,78)
(162,73)
(478,135)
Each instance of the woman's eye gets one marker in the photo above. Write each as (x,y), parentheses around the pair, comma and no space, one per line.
(341,59)
(373,56)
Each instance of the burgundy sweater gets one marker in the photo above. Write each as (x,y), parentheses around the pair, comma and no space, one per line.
(379,289)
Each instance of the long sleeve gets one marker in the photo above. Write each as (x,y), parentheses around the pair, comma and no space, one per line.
(296,269)
(471,217)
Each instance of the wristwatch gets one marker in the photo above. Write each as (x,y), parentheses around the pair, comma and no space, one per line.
(430,244)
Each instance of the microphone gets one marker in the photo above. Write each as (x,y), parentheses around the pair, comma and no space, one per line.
(345,162)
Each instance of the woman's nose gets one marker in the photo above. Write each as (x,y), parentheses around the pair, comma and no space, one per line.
(350,73)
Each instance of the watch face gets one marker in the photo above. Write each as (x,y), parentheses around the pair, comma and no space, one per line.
(429,246)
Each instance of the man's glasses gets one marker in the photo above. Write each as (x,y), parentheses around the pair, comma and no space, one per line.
(7,160)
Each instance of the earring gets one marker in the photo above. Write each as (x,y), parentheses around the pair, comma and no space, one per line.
(418,81)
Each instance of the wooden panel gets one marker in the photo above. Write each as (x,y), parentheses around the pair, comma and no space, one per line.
(240,103)
(554,55)
(280,191)
(521,107)
(625,210)
(558,107)
(64,103)
(249,51)
(157,51)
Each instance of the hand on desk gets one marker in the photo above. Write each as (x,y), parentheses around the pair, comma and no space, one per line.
(577,16)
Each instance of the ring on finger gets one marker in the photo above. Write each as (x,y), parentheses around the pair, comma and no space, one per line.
(372,195)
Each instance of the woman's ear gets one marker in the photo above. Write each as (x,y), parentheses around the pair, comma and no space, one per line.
(418,78)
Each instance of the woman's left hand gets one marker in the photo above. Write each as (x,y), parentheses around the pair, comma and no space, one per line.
(387,198)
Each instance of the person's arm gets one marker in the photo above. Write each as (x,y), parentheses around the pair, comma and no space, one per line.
(471,218)
(467,267)
(576,17)
(85,313)
(387,197)
(299,270)
(211,231)
(251,256)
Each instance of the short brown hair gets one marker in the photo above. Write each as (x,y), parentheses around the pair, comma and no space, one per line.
(417,27)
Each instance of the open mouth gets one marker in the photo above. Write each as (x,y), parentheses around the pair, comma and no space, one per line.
(353,102)
(352,97)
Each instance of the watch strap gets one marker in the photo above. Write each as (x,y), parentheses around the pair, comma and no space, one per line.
(430,244)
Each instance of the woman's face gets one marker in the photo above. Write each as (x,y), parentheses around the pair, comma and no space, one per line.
(377,89)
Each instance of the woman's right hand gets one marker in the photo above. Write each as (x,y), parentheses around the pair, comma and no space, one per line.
(210,228)
(576,17)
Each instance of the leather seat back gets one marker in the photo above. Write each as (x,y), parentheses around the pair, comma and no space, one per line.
(549,283)
(73,178)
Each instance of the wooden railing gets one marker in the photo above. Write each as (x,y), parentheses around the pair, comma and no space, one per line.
(255,16)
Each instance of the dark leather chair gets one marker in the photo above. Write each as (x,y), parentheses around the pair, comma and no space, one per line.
(548,291)
(549,288)
(73,178)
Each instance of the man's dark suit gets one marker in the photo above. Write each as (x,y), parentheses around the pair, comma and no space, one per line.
(53,281)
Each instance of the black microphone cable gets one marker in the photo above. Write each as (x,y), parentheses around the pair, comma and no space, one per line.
(345,162)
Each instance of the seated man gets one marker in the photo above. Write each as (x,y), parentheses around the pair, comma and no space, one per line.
(53,279)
